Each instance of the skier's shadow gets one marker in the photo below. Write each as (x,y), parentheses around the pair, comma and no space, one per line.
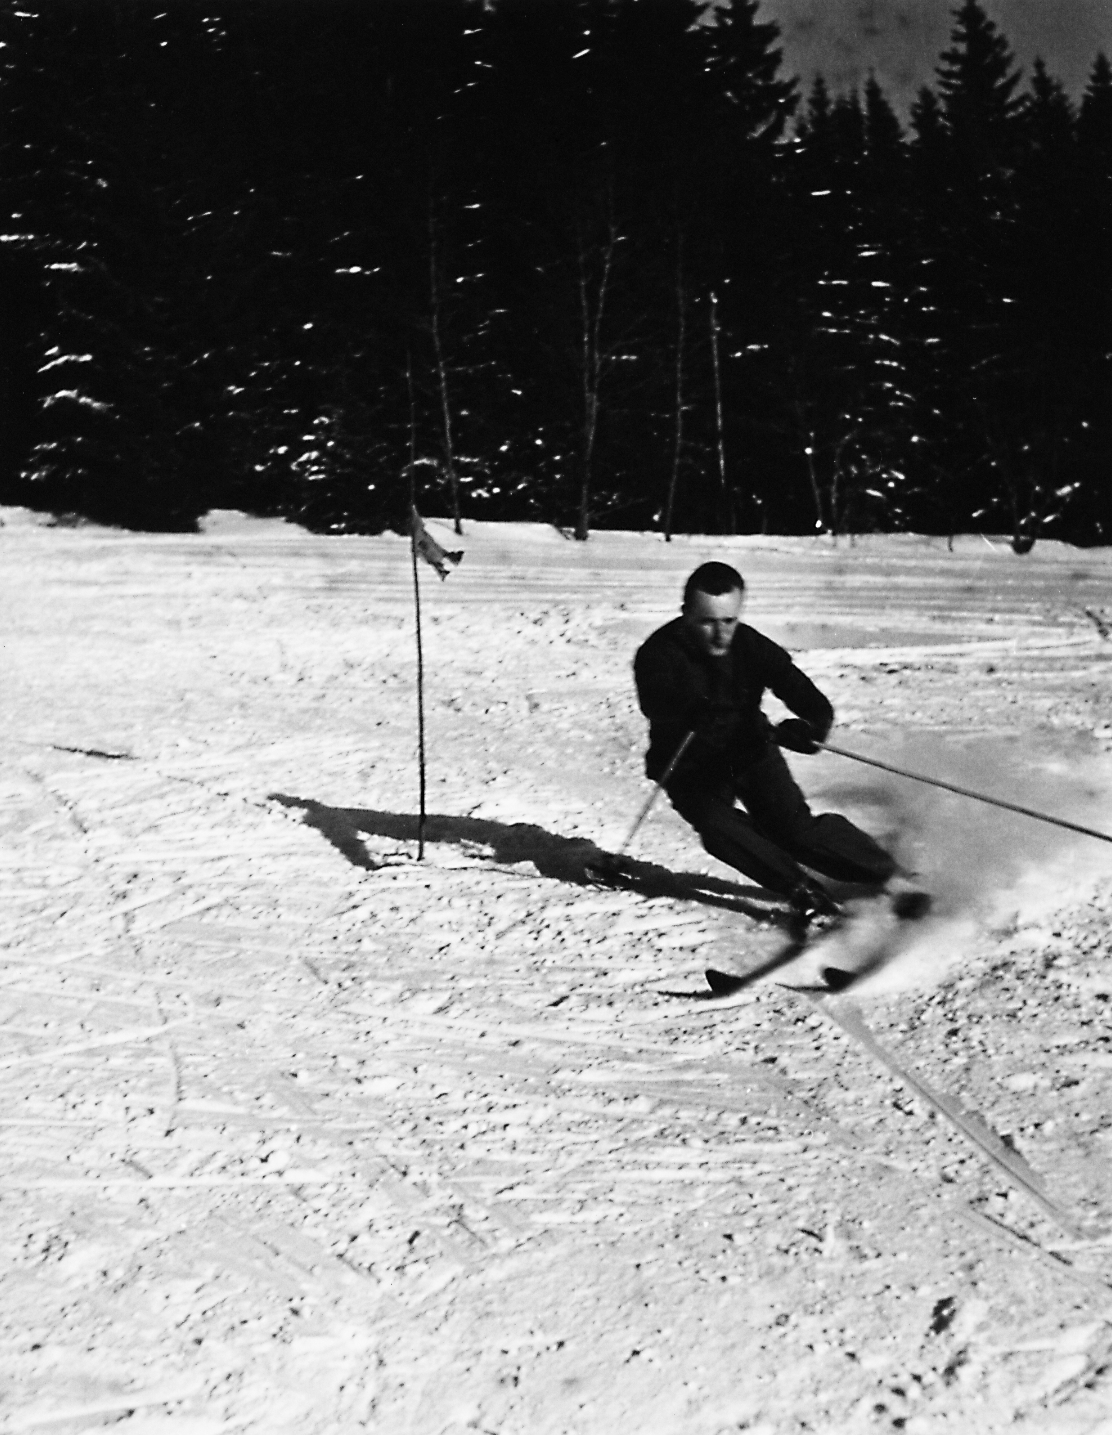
(565,859)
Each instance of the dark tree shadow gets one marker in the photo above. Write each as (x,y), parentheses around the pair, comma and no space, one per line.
(564,859)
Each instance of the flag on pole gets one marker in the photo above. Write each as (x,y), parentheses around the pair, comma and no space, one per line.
(426,546)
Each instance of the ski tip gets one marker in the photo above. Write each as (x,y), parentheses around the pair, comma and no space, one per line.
(723,984)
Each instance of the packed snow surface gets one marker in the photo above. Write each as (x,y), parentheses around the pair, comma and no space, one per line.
(304,1134)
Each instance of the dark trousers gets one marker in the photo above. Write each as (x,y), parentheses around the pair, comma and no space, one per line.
(777,831)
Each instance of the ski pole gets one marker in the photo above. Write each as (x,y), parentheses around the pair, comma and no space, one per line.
(655,793)
(968,792)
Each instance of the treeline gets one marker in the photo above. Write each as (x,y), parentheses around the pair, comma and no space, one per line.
(591,262)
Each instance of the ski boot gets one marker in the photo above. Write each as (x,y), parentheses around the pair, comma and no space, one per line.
(812,910)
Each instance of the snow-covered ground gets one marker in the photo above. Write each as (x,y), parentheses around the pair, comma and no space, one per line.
(304,1135)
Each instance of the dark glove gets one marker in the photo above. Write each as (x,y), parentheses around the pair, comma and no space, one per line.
(796,735)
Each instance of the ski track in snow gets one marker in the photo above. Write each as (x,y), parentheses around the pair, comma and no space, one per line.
(304,1135)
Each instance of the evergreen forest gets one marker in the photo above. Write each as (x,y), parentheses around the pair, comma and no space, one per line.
(594,263)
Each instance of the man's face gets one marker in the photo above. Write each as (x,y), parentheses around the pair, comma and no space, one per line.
(712,619)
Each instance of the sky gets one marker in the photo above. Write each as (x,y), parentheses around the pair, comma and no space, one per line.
(900,40)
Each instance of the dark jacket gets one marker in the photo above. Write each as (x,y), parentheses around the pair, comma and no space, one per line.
(680,688)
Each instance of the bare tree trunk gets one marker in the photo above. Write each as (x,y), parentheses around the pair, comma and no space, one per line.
(442,372)
(412,408)
(412,465)
(727,497)
(836,487)
(809,455)
(816,492)
(592,363)
(1022,496)
(677,446)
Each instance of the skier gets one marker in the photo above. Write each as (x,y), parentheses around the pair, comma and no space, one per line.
(705,673)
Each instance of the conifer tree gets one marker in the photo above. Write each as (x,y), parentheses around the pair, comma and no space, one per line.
(1094,125)
(845,354)
(970,242)
(753,100)
(559,260)
(24,250)
(1093,281)
(977,80)
(550,201)
(884,140)
(747,229)
(117,435)
(928,126)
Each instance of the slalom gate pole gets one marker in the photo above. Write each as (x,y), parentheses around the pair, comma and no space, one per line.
(420,698)
(968,792)
(655,793)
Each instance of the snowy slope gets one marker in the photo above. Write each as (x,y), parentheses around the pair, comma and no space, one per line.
(306,1135)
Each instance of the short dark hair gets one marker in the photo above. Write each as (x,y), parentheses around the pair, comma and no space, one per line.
(714,579)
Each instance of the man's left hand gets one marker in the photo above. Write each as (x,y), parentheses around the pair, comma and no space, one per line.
(796,735)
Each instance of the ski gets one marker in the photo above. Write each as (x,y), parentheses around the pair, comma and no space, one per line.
(615,873)
(909,906)
(724,984)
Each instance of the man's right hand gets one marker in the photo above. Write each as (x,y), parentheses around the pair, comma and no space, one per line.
(796,735)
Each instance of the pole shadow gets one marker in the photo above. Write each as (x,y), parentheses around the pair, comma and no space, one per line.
(563,859)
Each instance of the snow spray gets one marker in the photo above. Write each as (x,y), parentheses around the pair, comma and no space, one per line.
(983,863)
